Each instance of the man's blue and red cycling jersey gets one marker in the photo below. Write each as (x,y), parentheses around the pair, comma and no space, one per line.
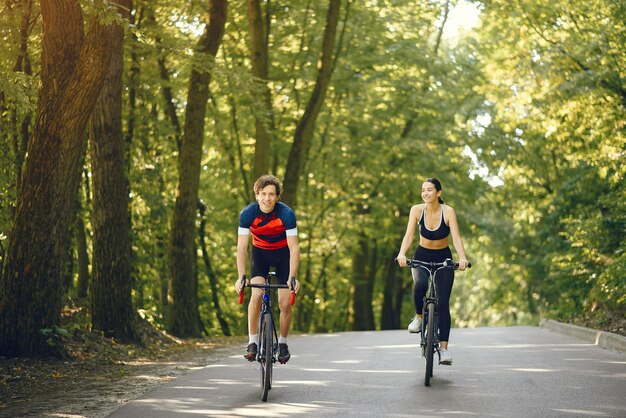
(269,230)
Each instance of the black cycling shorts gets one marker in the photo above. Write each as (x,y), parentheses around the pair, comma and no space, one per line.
(261,261)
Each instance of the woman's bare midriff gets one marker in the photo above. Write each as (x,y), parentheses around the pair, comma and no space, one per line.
(433,244)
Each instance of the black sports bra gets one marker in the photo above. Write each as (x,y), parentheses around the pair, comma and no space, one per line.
(442,231)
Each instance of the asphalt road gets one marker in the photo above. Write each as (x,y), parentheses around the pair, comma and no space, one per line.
(497,372)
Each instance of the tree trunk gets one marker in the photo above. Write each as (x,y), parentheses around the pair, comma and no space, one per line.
(184,320)
(215,298)
(306,126)
(111,302)
(73,68)
(362,315)
(83,258)
(81,242)
(390,315)
(264,125)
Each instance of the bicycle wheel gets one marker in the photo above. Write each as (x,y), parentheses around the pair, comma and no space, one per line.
(265,355)
(430,343)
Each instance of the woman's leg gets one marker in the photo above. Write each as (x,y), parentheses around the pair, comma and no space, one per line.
(445,280)
(420,286)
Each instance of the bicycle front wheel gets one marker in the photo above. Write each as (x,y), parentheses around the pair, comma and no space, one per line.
(266,354)
(430,343)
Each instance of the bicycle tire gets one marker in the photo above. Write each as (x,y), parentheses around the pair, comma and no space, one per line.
(265,355)
(430,343)
(269,361)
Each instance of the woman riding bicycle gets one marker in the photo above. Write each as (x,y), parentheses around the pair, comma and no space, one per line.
(436,223)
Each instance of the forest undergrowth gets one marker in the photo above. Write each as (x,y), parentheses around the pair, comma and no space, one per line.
(99,374)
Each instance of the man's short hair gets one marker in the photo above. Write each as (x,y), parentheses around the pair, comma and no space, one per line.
(265,181)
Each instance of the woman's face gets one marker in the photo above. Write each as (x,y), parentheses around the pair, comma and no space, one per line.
(429,193)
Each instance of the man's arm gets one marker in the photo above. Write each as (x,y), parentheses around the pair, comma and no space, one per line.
(242,252)
(294,258)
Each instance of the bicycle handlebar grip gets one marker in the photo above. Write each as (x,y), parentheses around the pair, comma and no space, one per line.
(241,294)
(293,298)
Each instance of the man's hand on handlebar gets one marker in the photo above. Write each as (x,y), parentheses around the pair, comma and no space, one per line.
(239,284)
(295,287)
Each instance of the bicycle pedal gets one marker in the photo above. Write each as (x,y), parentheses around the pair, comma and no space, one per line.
(445,363)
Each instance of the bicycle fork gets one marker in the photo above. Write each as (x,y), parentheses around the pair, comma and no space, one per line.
(423,333)
(266,311)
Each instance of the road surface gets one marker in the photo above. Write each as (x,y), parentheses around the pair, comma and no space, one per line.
(497,372)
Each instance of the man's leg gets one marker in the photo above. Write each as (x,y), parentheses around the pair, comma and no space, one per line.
(286,314)
(254,308)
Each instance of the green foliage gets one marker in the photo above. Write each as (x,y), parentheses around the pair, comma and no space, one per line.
(522,120)
(54,335)
(555,137)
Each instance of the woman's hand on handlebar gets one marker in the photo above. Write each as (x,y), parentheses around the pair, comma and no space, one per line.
(401,259)
(463,264)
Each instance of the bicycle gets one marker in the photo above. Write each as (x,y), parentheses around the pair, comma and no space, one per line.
(267,335)
(429,336)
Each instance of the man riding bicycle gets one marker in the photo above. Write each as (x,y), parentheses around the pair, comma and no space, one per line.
(272,225)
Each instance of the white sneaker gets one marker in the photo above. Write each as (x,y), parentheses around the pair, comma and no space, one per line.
(416,325)
(445,357)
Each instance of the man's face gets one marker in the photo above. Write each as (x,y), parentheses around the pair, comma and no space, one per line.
(267,198)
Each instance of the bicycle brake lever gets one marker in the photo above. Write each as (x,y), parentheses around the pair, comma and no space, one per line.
(243,288)
(292,285)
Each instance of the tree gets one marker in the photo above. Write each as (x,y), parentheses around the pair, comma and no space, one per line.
(306,125)
(185,321)
(264,123)
(73,70)
(112,310)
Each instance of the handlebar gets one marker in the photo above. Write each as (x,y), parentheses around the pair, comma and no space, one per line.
(447,263)
(292,285)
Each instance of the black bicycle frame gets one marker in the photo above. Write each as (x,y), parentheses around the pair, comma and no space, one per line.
(265,349)
(431,297)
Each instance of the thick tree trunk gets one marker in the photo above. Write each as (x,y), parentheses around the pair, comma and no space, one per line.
(184,320)
(306,126)
(264,124)
(72,72)
(111,302)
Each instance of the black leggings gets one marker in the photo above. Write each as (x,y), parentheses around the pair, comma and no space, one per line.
(445,280)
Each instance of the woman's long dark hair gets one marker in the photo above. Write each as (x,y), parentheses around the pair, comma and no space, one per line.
(437,184)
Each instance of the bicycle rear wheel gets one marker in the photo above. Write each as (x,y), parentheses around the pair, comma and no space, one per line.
(430,343)
(266,355)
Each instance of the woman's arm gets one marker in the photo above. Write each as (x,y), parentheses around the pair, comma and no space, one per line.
(408,235)
(456,237)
